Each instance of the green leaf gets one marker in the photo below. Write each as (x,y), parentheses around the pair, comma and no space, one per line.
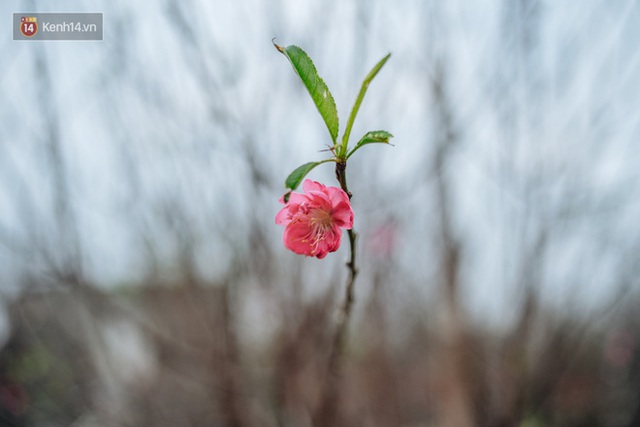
(356,106)
(373,137)
(295,178)
(303,65)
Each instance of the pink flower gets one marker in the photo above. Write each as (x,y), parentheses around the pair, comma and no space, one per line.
(313,220)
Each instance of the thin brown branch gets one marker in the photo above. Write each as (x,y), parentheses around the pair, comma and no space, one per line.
(327,412)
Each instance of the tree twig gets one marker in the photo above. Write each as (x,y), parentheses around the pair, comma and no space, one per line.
(327,414)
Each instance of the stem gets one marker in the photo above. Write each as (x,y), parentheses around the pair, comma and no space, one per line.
(341,176)
(327,410)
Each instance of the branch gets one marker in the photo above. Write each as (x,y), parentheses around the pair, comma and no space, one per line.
(327,410)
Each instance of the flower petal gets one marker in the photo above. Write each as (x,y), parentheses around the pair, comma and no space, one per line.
(337,195)
(283,217)
(343,216)
(309,185)
(297,237)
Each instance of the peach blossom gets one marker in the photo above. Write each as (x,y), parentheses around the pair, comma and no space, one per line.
(314,220)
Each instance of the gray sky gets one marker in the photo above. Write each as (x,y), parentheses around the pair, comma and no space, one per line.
(160,117)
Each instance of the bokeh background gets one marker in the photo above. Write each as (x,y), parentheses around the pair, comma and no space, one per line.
(143,281)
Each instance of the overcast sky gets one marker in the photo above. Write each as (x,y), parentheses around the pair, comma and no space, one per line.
(166,108)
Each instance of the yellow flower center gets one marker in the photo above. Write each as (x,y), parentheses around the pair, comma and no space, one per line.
(320,222)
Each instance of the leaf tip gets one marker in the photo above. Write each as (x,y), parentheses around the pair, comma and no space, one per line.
(280,48)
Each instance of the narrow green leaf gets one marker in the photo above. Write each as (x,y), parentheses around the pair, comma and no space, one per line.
(356,106)
(295,178)
(303,65)
(373,137)
(374,71)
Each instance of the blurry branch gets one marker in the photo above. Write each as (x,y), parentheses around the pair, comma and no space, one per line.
(381,370)
(29,243)
(530,281)
(456,404)
(232,401)
(174,217)
(567,344)
(297,343)
(199,49)
(11,175)
(9,240)
(67,243)
(197,55)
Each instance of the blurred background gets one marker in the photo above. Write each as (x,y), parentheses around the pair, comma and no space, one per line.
(143,281)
